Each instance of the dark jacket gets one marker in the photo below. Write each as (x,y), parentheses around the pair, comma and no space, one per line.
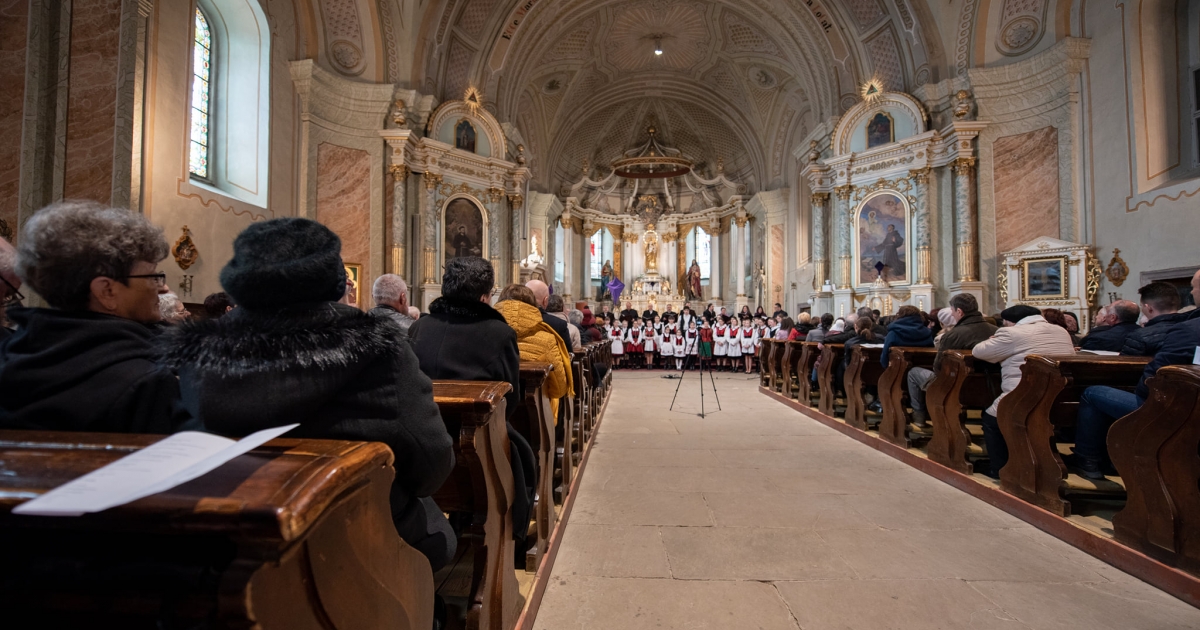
(906,332)
(1107,338)
(468,340)
(343,375)
(403,320)
(84,371)
(854,340)
(1145,341)
(559,325)
(1177,349)
(969,330)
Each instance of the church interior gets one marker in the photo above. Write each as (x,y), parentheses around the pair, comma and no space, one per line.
(936,353)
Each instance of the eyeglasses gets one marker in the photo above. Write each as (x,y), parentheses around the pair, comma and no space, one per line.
(14,298)
(160,279)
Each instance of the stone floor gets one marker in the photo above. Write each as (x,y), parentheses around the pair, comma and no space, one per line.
(757,517)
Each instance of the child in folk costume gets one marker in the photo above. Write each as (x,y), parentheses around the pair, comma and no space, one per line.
(667,346)
(649,342)
(617,335)
(691,340)
(748,339)
(658,326)
(735,345)
(679,341)
(720,334)
(634,341)
(706,342)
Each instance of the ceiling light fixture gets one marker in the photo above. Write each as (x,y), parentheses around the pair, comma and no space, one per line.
(658,46)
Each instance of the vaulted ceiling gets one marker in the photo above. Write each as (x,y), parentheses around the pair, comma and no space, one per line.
(741,81)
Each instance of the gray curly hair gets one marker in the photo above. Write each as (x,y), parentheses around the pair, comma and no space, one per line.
(66,245)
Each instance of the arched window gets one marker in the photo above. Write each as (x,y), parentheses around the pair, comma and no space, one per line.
(597,253)
(202,46)
(559,262)
(229,117)
(699,249)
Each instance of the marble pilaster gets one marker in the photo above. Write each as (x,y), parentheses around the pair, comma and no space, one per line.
(429,229)
(921,229)
(568,258)
(820,221)
(841,222)
(399,231)
(965,221)
(739,256)
(517,234)
(714,272)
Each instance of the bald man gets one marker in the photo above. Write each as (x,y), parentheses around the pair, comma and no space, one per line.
(541,293)
(10,284)
(1114,323)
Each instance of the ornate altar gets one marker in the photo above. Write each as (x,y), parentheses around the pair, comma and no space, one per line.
(1050,273)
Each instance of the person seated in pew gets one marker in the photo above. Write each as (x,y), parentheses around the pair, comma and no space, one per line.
(537,341)
(541,294)
(464,338)
(555,308)
(10,286)
(575,318)
(390,293)
(908,330)
(1025,332)
(1160,304)
(1100,405)
(822,328)
(89,363)
(1114,323)
(291,353)
(863,333)
(967,328)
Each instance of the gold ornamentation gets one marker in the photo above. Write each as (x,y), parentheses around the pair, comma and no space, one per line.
(966,262)
(964,165)
(399,172)
(882,165)
(924,263)
(185,251)
(1117,270)
(431,180)
(1002,285)
(517,200)
(495,194)
(669,237)
(920,175)
(741,221)
(630,237)
(872,90)
(464,188)
(820,198)
(473,97)
(427,264)
(844,192)
(844,271)
(1094,275)
(902,186)
(398,113)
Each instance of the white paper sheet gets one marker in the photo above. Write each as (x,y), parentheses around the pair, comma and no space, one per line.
(1102,353)
(161,466)
(1196,356)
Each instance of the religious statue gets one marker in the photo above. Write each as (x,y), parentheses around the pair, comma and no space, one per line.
(606,276)
(651,248)
(666,287)
(814,153)
(962,105)
(694,291)
(758,276)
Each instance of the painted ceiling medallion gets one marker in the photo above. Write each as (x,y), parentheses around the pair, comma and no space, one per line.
(473,97)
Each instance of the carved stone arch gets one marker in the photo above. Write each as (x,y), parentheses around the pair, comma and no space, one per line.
(895,104)
(453,111)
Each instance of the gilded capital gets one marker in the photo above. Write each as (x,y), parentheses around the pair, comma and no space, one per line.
(844,192)
(963,165)
(432,180)
(820,198)
(517,200)
(921,175)
(741,221)
(495,194)
(399,172)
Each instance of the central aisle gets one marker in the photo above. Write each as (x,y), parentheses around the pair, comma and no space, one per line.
(757,517)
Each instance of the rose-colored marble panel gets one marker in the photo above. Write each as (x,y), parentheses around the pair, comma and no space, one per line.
(1026,183)
(776,273)
(14,17)
(91,104)
(344,201)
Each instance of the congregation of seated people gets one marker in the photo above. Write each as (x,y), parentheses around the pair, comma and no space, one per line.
(115,351)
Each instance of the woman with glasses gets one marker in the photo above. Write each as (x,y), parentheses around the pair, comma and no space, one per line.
(88,363)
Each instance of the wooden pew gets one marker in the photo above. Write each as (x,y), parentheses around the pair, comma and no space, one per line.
(831,354)
(865,369)
(960,385)
(1155,450)
(536,423)
(804,367)
(778,349)
(766,348)
(1048,395)
(893,385)
(481,488)
(566,435)
(791,357)
(295,534)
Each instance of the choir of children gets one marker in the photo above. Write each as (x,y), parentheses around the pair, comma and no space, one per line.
(682,340)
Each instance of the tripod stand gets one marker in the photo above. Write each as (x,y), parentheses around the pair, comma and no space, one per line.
(683,372)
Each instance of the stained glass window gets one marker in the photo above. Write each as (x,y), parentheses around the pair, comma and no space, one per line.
(597,253)
(702,253)
(201,97)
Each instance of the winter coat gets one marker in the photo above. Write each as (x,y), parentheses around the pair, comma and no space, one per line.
(908,332)
(538,342)
(85,371)
(816,334)
(403,320)
(1107,338)
(969,330)
(468,340)
(1179,348)
(558,325)
(339,372)
(1010,345)
(1145,341)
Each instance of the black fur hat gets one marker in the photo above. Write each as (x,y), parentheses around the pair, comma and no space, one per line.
(285,261)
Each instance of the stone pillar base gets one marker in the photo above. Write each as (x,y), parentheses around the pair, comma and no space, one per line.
(429,293)
(821,303)
(843,302)
(978,289)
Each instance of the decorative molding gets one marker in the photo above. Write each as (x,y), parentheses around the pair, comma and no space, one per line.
(184,250)
(1117,270)
(844,192)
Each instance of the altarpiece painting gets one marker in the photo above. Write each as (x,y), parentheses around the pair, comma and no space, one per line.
(881,245)
(464,230)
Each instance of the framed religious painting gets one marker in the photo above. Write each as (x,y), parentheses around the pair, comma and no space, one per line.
(881,238)
(1044,278)
(464,233)
(354,275)
(880,130)
(464,136)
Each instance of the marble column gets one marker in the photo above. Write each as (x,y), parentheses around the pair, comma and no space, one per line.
(429,229)
(820,221)
(568,259)
(841,221)
(714,270)
(739,257)
(965,220)
(921,236)
(495,210)
(399,174)
(516,202)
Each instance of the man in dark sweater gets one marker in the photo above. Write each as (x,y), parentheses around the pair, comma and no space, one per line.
(1115,322)
(541,293)
(1160,304)
(969,329)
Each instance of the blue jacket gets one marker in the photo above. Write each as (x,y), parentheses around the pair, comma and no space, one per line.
(1109,338)
(909,332)
(1145,341)
(1177,349)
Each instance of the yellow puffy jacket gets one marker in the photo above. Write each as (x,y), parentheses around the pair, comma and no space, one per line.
(537,341)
